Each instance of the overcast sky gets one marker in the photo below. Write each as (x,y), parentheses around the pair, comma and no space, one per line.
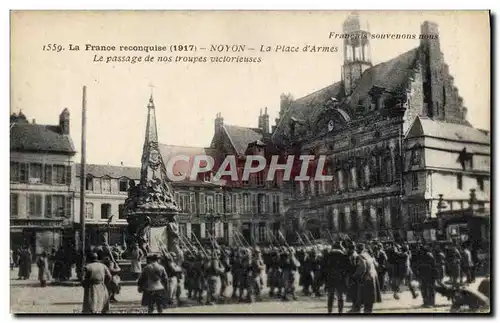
(188,96)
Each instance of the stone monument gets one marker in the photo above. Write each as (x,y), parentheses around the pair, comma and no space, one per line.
(150,207)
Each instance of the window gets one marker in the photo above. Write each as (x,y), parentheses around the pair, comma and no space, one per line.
(55,206)
(381,218)
(14,172)
(317,187)
(388,169)
(47,179)
(209,229)
(59,176)
(367,219)
(89,210)
(210,204)
(192,202)
(235,204)
(330,222)
(184,205)
(228,203)
(342,226)
(34,205)
(397,164)
(259,178)
(23,173)
(414,181)
(395,218)
(225,230)
(263,203)
(14,204)
(35,173)
(276,204)
(106,185)
(346,179)
(480,183)
(202,203)
(414,214)
(246,203)
(123,185)
(354,220)
(89,183)
(276,229)
(121,213)
(459,181)
(262,232)
(183,229)
(255,203)
(219,203)
(105,211)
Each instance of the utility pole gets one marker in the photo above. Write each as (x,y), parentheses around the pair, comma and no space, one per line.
(82,173)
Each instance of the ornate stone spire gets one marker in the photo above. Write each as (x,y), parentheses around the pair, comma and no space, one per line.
(153,196)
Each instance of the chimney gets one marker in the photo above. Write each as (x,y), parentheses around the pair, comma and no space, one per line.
(264,120)
(33,121)
(433,76)
(64,121)
(121,163)
(219,123)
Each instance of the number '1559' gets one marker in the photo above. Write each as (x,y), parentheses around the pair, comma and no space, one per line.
(52,48)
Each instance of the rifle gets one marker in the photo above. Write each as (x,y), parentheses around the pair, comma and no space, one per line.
(282,237)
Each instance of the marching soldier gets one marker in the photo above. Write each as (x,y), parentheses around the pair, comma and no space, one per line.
(236,272)
(226,265)
(381,258)
(275,273)
(257,267)
(290,265)
(213,272)
(174,273)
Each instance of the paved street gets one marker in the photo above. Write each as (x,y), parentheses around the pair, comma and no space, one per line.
(27,297)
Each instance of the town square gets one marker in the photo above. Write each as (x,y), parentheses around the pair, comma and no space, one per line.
(367,195)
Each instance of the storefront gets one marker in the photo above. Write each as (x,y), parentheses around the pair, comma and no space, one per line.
(39,235)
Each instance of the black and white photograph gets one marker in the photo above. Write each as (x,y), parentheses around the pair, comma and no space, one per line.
(250,162)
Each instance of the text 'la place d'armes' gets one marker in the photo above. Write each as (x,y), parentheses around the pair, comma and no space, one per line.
(296,49)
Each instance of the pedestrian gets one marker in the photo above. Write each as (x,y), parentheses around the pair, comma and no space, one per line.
(43,269)
(25,263)
(114,284)
(428,270)
(467,264)
(12,263)
(368,291)
(136,255)
(336,265)
(95,292)
(152,284)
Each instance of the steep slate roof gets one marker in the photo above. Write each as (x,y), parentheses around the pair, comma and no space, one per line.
(40,138)
(110,171)
(423,126)
(182,167)
(240,137)
(390,75)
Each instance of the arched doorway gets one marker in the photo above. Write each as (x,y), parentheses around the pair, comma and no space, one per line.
(314,227)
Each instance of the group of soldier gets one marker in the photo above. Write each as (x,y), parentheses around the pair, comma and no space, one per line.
(343,270)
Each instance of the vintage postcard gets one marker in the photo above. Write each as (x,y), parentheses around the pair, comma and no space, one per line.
(256,162)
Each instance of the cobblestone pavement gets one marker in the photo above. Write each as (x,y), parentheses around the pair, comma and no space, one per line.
(28,297)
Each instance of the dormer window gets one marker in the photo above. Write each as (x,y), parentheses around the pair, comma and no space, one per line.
(123,184)
(89,183)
